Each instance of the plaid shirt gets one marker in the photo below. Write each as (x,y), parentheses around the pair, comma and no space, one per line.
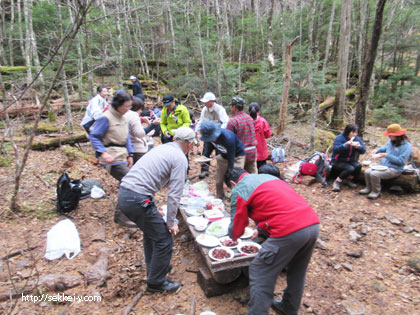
(243,126)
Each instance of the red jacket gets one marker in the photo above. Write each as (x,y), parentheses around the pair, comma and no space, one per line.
(262,132)
(273,204)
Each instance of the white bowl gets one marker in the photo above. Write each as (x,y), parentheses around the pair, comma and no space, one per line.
(200,227)
(366,163)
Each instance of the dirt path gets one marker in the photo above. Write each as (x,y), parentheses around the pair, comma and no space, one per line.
(379,279)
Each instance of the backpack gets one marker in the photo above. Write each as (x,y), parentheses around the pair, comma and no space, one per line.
(278,155)
(317,165)
(68,194)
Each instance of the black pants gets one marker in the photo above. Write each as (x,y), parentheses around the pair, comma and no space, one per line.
(346,169)
(261,163)
(137,156)
(157,240)
(207,151)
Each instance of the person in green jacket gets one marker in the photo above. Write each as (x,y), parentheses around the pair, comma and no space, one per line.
(173,116)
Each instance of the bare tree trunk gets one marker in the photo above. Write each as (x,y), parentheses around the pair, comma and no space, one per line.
(120,51)
(80,56)
(319,16)
(3,31)
(227,33)
(28,49)
(19,168)
(127,30)
(311,88)
(12,32)
(368,67)
(282,118)
(220,59)
(328,43)
(21,41)
(343,61)
(197,18)
(171,27)
(88,63)
(242,45)
(140,44)
(363,15)
(270,36)
(67,105)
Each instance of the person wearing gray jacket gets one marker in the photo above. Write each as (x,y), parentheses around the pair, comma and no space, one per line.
(162,166)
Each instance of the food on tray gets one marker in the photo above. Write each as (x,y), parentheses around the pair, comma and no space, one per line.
(209,206)
(213,215)
(207,240)
(194,211)
(202,159)
(228,242)
(249,249)
(219,228)
(220,253)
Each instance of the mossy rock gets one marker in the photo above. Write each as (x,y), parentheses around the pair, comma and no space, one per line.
(5,160)
(323,140)
(351,93)
(73,153)
(43,128)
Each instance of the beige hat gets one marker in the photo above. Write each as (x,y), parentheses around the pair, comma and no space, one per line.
(185,134)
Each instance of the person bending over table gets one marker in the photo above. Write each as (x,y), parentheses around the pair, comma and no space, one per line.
(292,227)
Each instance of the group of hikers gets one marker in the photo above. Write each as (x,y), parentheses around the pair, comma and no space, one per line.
(287,222)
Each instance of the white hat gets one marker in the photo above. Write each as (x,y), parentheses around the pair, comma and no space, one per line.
(185,134)
(209,96)
(132,77)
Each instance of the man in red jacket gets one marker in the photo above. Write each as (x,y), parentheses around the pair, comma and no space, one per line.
(292,227)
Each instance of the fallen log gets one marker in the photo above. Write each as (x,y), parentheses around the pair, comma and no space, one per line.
(409,183)
(134,302)
(32,110)
(327,104)
(49,282)
(51,143)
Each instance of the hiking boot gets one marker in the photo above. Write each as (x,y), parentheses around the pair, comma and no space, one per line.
(348,182)
(120,218)
(203,174)
(373,195)
(364,191)
(336,186)
(277,307)
(168,286)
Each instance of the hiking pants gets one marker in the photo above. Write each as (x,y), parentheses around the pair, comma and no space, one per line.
(157,240)
(293,251)
(373,178)
(346,169)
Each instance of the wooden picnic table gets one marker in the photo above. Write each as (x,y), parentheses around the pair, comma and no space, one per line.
(225,271)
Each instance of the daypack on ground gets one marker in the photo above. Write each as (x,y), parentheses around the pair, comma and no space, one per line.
(278,155)
(316,165)
(68,194)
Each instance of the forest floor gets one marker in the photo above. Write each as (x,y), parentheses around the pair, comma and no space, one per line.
(370,272)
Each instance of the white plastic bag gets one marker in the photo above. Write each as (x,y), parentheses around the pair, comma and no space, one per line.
(97,192)
(62,238)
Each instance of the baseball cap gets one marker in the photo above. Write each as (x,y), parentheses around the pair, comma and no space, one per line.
(209,96)
(132,77)
(168,99)
(185,134)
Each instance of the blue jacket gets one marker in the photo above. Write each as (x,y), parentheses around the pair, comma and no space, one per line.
(343,152)
(229,146)
(396,157)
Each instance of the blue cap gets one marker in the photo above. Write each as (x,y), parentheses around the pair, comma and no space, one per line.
(210,131)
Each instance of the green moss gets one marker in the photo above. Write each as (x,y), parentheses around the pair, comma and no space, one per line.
(43,211)
(5,160)
(10,70)
(323,139)
(43,127)
(73,153)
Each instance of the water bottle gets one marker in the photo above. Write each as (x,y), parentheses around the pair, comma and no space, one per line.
(186,191)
